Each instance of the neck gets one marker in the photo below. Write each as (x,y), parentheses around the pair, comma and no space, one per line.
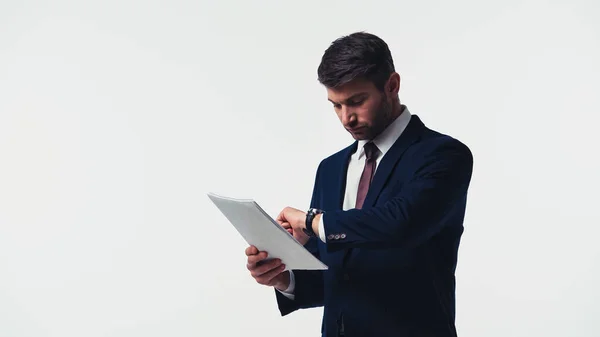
(397,109)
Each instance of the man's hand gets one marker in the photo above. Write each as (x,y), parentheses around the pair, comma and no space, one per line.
(269,273)
(294,220)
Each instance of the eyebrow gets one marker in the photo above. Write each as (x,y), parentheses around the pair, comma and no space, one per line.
(350,98)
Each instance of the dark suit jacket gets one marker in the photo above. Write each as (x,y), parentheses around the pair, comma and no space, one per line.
(391,268)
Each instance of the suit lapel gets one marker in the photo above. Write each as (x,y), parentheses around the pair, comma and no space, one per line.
(389,161)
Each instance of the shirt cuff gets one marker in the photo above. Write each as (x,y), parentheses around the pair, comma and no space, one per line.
(322,229)
(289,292)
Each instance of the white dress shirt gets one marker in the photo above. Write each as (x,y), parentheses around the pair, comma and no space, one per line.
(355,168)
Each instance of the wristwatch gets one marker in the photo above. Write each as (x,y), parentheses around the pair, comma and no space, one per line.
(310,215)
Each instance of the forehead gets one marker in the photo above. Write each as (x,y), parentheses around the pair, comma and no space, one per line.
(350,89)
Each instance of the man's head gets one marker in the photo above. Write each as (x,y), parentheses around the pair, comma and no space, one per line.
(358,72)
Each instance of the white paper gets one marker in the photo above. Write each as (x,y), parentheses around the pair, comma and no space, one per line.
(262,231)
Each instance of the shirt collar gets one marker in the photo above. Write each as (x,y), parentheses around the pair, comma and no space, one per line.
(390,134)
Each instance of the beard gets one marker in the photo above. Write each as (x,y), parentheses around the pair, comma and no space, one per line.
(384,117)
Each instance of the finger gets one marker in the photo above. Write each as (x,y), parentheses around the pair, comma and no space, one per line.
(280,218)
(254,259)
(286,225)
(281,215)
(267,278)
(265,267)
(251,250)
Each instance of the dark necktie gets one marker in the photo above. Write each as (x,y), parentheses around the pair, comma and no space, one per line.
(371,152)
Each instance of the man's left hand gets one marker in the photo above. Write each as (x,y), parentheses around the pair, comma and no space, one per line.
(294,220)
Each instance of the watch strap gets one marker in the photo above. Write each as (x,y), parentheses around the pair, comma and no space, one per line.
(310,216)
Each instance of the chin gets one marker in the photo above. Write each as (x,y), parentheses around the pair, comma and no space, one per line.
(366,135)
(360,137)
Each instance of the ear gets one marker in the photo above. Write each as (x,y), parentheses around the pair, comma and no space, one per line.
(392,86)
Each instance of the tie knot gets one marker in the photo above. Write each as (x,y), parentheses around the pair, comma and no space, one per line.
(370,150)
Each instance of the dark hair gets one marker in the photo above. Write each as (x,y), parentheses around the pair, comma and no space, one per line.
(358,55)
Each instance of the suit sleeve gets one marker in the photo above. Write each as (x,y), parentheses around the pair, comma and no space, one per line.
(417,212)
(308,292)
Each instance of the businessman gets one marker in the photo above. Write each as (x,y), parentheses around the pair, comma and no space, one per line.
(386,213)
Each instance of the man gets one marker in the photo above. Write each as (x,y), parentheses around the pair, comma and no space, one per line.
(386,213)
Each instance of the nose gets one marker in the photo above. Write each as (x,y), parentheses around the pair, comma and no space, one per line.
(347,116)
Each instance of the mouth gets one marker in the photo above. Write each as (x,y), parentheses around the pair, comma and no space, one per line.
(356,130)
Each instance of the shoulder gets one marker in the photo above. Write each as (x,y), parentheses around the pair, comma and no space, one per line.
(435,147)
(434,141)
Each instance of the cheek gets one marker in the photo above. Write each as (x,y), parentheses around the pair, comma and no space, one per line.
(367,113)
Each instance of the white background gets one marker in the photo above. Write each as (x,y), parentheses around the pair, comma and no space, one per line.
(116,119)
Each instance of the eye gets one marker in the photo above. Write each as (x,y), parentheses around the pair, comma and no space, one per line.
(356,103)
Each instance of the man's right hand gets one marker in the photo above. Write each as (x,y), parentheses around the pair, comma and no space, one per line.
(269,273)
